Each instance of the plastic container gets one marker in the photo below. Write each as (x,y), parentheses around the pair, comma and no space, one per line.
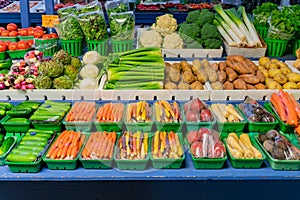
(2,158)
(19,167)
(246,162)
(276,47)
(26,38)
(208,163)
(262,31)
(121,46)
(197,125)
(3,55)
(12,39)
(48,126)
(296,45)
(78,126)
(101,46)
(18,53)
(47,46)
(73,47)
(281,125)
(15,127)
(168,163)
(17,135)
(279,164)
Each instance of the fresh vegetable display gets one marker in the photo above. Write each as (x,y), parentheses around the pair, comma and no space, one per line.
(167,112)
(196,111)
(206,143)
(81,111)
(65,11)
(99,146)
(262,12)
(66,146)
(132,146)
(199,31)
(236,28)
(166,145)
(32,147)
(90,7)
(241,147)
(122,25)
(110,112)
(255,112)
(69,28)
(138,112)
(117,6)
(4,106)
(226,113)
(23,109)
(141,68)
(6,144)
(278,146)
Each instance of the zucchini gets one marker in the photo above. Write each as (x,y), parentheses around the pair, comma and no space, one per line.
(34,143)
(17,120)
(40,131)
(46,118)
(22,151)
(21,158)
(7,105)
(2,112)
(18,112)
(6,145)
(34,138)
(29,148)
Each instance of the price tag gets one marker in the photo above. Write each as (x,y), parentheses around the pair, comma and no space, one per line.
(49,20)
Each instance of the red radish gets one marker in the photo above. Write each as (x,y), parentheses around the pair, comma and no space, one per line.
(187,106)
(30,86)
(196,149)
(17,86)
(205,115)
(23,87)
(192,116)
(196,104)
(193,136)
(203,131)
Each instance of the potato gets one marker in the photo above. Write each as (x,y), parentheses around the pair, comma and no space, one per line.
(293,77)
(217,85)
(282,64)
(174,75)
(222,65)
(272,66)
(212,74)
(251,65)
(202,76)
(170,86)
(197,64)
(273,85)
(188,77)
(250,78)
(197,86)
(231,74)
(260,86)
(290,86)
(228,85)
(263,61)
(176,66)
(273,72)
(296,64)
(183,86)
(260,67)
(239,84)
(298,84)
(273,60)
(265,72)
(260,75)
(215,66)
(185,66)
(250,87)
(222,76)
(280,78)
(285,70)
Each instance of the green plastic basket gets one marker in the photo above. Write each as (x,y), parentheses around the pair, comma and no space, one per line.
(168,163)
(15,127)
(12,39)
(262,31)
(2,158)
(26,37)
(276,47)
(246,162)
(20,167)
(47,46)
(17,135)
(101,46)
(279,164)
(208,163)
(73,47)
(18,53)
(296,45)
(121,45)
(3,55)
(78,126)
(48,126)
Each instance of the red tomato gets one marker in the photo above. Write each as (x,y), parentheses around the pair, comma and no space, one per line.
(3,46)
(47,36)
(1,29)
(7,42)
(13,34)
(5,33)
(30,42)
(30,32)
(11,27)
(13,46)
(23,32)
(39,28)
(53,35)
(23,45)
(38,34)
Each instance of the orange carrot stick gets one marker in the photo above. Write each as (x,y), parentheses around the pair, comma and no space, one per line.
(295,104)
(278,105)
(292,118)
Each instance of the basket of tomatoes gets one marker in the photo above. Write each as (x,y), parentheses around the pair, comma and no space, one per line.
(48,44)
(3,49)
(19,49)
(10,33)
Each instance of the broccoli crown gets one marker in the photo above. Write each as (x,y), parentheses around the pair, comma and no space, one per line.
(212,43)
(193,16)
(205,17)
(210,31)
(189,32)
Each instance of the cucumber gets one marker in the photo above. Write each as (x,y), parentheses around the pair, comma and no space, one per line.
(21,158)
(18,113)
(7,105)
(40,131)
(46,118)
(29,148)
(17,120)
(1,139)
(33,143)
(25,152)
(6,145)
(34,138)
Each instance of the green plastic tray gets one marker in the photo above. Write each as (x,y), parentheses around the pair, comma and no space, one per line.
(279,164)
(175,126)
(262,31)
(78,126)
(101,46)
(246,163)
(48,126)
(296,45)
(122,45)
(12,39)
(2,158)
(18,53)
(26,37)
(276,47)
(168,163)
(3,55)
(34,167)
(13,127)
(47,46)
(281,125)
(208,163)
(73,47)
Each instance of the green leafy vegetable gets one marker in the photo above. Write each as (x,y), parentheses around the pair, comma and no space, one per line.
(122,26)
(62,12)
(69,28)
(263,12)
(91,7)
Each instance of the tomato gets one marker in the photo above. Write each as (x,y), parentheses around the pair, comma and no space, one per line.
(39,28)
(7,42)
(30,32)
(11,27)
(38,34)
(23,45)
(13,34)
(47,36)
(53,35)
(1,29)
(13,46)
(5,33)
(23,32)
(30,42)
(3,47)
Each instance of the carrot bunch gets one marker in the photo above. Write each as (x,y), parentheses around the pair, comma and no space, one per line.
(66,146)
(167,112)
(287,108)
(138,112)
(110,112)
(132,146)
(99,146)
(82,111)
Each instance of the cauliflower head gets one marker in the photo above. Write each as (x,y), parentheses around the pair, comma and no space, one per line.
(165,24)
(150,38)
(173,41)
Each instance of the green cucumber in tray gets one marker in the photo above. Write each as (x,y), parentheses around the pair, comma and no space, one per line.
(32,138)
(33,143)
(38,135)
(29,148)
(6,145)
(32,104)
(40,131)
(40,118)
(24,152)
(19,112)
(49,113)
(17,120)
(13,157)
(6,105)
